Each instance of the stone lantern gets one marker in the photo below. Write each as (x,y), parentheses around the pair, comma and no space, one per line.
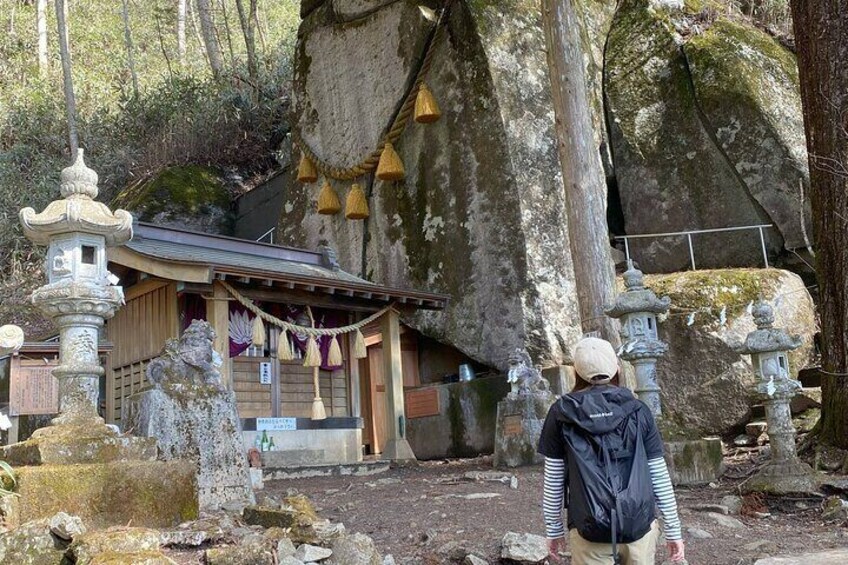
(769,347)
(78,296)
(637,308)
(78,463)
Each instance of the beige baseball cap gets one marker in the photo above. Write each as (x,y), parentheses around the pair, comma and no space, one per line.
(595,360)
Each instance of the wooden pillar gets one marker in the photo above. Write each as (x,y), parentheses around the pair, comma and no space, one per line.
(397,448)
(218,315)
(354,392)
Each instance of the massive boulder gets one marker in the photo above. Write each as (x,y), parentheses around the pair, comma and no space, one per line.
(707,132)
(481,213)
(707,388)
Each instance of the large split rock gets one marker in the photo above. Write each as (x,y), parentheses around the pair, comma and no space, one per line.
(708,132)
(194,417)
(481,213)
(706,385)
(32,544)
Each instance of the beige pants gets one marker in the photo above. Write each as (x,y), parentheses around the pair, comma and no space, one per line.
(640,552)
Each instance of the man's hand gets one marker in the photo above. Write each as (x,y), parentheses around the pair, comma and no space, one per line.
(675,550)
(555,547)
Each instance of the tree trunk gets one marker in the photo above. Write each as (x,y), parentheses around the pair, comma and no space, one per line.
(227,33)
(65,55)
(821,29)
(247,27)
(125,15)
(181,30)
(41,27)
(210,39)
(582,172)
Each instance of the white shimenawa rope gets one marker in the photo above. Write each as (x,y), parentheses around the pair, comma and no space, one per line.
(273,320)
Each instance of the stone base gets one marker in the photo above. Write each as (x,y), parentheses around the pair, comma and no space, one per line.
(694,462)
(518,427)
(398,450)
(197,422)
(78,444)
(782,478)
(153,494)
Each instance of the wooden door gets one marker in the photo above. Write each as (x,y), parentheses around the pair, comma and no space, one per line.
(377,394)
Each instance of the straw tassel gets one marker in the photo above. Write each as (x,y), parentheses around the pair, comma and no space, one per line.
(360,351)
(426,108)
(328,200)
(306,172)
(258,335)
(356,207)
(334,356)
(313,354)
(390,166)
(284,351)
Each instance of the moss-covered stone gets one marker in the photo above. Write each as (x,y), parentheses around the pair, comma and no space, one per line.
(144,493)
(32,544)
(142,558)
(694,462)
(185,196)
(106,546)
(253,552)
(672,173)
(747,87)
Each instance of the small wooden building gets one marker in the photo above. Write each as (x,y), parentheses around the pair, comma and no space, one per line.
(171,277)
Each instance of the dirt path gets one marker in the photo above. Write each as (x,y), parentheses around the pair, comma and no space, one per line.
(414,515)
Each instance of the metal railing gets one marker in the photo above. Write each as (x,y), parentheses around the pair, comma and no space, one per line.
(690,233)
(269,234)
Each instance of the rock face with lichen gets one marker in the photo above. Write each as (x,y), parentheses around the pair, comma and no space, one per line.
(194,417)
(706,126)
(481,213)
(188,197)
(707,387)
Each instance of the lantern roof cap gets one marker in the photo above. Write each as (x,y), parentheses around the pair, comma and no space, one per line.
(77,211)
(637,297)
(766,338)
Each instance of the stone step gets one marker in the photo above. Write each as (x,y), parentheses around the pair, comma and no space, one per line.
(65,447)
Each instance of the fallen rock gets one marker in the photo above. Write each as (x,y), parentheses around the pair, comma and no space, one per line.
(308,552)
(209,530)
(732,503)
(474,560)
(389,560)
(754,429)
(290,561)
(327,531)
(697,533)
(115,541)
(525,548)
(356,549)
(454,551)
(31,543)
(251,551)
(269,517)
(725,521)
(143,558)
(761,546)
(66,527)
(285,548)
(717,508)
(835,509)
(833,557)
(744,440)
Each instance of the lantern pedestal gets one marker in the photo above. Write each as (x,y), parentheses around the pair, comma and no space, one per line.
(694,461)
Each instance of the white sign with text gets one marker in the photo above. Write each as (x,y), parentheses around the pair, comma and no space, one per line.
(265,373)
(276,424)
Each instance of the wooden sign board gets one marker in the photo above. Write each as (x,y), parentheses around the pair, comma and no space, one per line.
(512,425)
(421,403)
(32,387)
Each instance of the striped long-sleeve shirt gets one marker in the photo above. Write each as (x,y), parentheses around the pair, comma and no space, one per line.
(556,481)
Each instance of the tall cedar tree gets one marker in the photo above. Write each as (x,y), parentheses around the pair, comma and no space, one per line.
(821,39)
(582,171)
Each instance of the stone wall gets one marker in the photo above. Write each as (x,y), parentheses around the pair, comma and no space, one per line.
(465,426)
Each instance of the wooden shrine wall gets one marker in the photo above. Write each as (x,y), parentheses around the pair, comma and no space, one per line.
(138,332)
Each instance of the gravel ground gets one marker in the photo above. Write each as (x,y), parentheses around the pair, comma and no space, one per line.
(422,515)
(428,513)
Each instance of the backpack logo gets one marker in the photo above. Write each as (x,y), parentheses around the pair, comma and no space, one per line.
(600,415)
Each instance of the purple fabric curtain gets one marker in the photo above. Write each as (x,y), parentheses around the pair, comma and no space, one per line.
(241,328)
(323,319)
(194,308)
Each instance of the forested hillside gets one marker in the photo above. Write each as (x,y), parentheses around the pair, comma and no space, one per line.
(156,83)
